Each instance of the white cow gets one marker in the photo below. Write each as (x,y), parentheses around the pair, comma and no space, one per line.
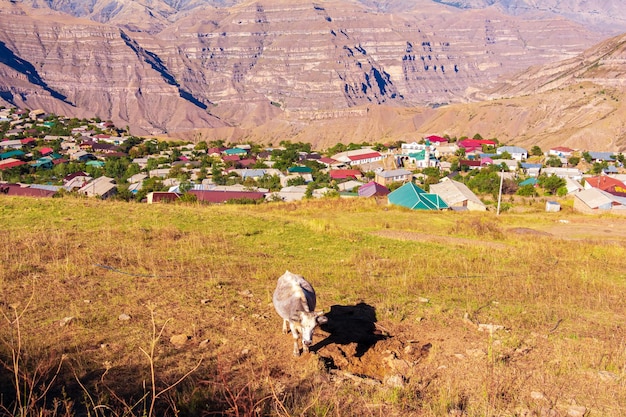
(294,301)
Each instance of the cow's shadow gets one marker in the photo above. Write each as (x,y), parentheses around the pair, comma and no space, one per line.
(351,324)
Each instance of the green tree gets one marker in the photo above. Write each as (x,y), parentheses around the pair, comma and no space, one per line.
(536,151)
(271,182)
(573,160)
(551,183)
(554,161)
(527,190)
(485,182)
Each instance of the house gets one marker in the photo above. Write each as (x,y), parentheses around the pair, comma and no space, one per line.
(470,163)
(472,145)
(510,164)
(456,194)
(354,157)
(18,190)
(517,153)
(446,150)
(436,140)
(289,193)
(572,185)
(365,158)
(413,197)
(532,170)
(10,163)
(561,152)
(596,201)
(602,156)
(562,172)
(329,162)
(235,151)
(160,172)
(137,178)
(349,186)
(15,153)
(218,196)
(343,174)
(605,183)
(103,187)
(421,159)
(529,181)
(394,175)
(161,197)
(11,144)
(373,189)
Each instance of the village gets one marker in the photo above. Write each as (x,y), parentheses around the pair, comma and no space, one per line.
(45,155)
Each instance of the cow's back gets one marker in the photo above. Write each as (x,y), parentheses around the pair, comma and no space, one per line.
(293,293)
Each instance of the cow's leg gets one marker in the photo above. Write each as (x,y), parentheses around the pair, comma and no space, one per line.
(285,326)
(294,333)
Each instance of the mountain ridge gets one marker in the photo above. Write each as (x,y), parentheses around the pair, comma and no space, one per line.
(243,70)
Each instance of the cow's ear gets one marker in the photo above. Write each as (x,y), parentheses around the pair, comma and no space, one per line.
(321,318)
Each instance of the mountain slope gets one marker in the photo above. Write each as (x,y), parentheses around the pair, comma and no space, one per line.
(200,66)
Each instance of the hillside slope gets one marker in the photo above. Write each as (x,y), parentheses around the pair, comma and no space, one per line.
(163,70)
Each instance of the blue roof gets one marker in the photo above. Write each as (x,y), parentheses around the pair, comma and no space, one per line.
(511,149)
(603,156)
(526,165)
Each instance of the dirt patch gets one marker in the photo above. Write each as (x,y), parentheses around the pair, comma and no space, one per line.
(443,240)
(527,231)
(357,346)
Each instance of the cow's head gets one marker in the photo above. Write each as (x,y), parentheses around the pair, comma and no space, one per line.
(308,321)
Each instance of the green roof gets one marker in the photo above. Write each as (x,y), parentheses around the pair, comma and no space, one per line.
(413,197)
(95,163)
(11,154)
(300,170)
(418,155)
(235,151)
(529,181)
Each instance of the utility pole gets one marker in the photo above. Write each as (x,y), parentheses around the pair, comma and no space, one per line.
(500,192)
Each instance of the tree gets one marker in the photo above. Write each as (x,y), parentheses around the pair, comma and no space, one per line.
(485,182)
(551,183)
(573,160)
(527,190)
(536,151)
(554,161)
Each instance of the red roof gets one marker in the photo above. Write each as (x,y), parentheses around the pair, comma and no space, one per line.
(608,184)
(213,196)
(475,143)
(230,158)
(46,151)
(439,139)
(26,141)
(158,196)
(372,189)
(328,161)
(469,163)
(365,156)
(16,189)
(562,149)
(11,164)
(341,174)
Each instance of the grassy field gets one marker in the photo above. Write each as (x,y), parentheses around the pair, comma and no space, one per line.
(430,313)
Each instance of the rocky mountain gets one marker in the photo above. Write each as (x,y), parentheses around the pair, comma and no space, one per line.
(271,70)
(607,16)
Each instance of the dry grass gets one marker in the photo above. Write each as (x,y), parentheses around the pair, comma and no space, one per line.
(206,274)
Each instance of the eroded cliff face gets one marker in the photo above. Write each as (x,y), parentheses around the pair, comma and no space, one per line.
(245,65)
